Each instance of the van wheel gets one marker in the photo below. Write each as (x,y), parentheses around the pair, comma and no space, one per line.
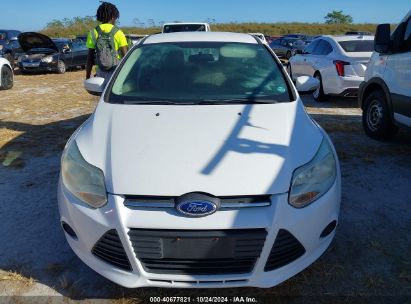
(318,94)
(6,79)
(376,118)
(61,67)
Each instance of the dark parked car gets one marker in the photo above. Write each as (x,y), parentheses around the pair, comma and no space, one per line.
(6,37)
(287,47)
(50,55)
(12,51)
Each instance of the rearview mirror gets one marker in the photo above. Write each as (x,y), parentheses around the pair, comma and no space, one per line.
(306,84)
(94,85)
(382,41)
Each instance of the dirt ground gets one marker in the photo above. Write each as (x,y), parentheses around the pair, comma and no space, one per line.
(368,260)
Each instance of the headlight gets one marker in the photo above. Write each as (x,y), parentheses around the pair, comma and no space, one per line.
(315,178)
(47,59)
(22,57)
(83,180)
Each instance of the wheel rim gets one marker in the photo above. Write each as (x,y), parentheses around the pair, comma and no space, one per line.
(7,78)
(62,67)
(316,93)
(375,114)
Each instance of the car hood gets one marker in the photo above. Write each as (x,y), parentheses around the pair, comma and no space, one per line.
(31,40)
(224,150)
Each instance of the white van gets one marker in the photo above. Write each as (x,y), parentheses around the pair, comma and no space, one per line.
(186,27)
(385,94)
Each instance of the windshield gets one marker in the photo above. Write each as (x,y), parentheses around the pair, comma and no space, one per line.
(184,28)
(200,72)
(357,45)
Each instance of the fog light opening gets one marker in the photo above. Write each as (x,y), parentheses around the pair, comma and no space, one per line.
(330,228)
(68,230)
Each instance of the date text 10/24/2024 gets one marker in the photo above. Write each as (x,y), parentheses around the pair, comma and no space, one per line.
(204,299)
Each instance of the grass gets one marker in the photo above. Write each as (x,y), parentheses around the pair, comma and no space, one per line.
(12,276)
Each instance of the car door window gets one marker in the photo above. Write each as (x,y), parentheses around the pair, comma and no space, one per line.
(323,48)
(310,48)
(407,37)
(319,48)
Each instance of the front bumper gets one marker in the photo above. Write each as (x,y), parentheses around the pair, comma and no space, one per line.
(306,225)
(37,66)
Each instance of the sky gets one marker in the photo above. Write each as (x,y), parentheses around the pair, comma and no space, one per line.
(29,15)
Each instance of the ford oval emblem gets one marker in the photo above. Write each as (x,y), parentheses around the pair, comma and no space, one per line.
(196,208)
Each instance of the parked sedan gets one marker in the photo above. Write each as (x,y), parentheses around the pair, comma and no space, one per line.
(338,62)
(50,55)
(287,47)
(6,75)
(199,168)
(12,51)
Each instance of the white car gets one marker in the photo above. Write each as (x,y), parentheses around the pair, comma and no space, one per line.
(6,75)
(338,62)
(199,168)
(385,94)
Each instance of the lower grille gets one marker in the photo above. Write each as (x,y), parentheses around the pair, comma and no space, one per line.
(286,249)
(197,252)
(109,249)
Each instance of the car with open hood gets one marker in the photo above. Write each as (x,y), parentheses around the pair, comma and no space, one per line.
(43,54)
(199,168)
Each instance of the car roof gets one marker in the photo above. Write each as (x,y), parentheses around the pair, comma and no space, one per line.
(348,37)
(201,36)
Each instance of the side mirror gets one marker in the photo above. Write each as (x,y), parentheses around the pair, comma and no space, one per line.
(382,41)
(95,85)
(306,84)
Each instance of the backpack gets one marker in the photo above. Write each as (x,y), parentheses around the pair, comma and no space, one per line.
(106,54)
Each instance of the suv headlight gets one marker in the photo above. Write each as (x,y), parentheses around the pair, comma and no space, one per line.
(47,59)
(315,178)
(83,180)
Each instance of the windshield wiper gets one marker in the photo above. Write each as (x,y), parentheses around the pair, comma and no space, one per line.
(151,102)
(235,101)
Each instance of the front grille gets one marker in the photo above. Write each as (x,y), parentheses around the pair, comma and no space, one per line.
(286,249)
(198,252)
(109,249)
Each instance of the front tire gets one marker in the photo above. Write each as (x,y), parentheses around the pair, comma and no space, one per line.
(318,94)
(376,118)
(6,79)
(61,67)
